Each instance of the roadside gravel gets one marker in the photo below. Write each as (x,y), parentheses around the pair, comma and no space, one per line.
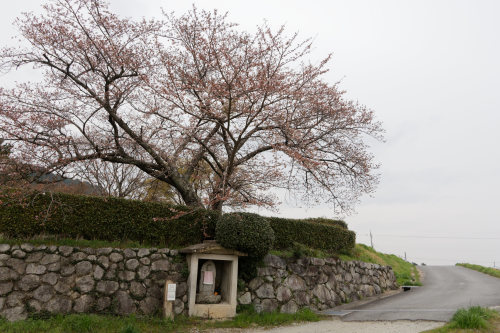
(336,325)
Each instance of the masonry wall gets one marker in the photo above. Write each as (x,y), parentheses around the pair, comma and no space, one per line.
(65,279)
(290,284)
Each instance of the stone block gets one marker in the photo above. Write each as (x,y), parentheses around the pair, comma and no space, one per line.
(255,283)
(15,298)
(83,304)
(115,257)
(59,304)
(137,289)
(50,258)
(85,284)
(290,307)
(34,257)
(35,269)
(103,261)
(43,293)
(98,272)
(50,278)
(83,268)
(103,303)
(28,282)
(160,265)
(295,282)
(269,305)
(143,272)
(54,267)
(4,248)
(67,270)
(283,294)
(78,256)
(126,275)
(64,285)
(65,250)
(132,264)
(18,254)
(124,303)
(104,251)
(15,314)
(107,287)
(245,298)
(7,274)
(145,261)
(16,264)
(265,291)
(129,253)
(149,305)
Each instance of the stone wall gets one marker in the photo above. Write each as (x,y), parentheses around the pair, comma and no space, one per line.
(290,284)
(65,279)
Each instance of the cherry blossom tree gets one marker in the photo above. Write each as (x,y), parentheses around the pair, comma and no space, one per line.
(188,100)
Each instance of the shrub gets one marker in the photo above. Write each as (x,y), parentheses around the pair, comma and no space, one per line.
(320,236)
(245,232)
(112,219)
(322,220)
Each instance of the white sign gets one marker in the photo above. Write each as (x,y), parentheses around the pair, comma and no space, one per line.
(208,277)
(171,292)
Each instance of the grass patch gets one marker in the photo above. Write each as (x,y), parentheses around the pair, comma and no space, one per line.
(250,318)
(90,323)
(54,240)
(406,273)
(486,270)
(473,319)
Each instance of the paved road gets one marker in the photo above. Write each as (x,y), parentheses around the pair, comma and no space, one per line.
(446,289)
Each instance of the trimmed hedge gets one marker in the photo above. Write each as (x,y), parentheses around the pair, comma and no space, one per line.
(315,235)
(114,219)
(322,220)
(245,232)
(101,218)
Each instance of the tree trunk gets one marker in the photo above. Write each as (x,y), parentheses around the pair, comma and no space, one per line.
(217,206)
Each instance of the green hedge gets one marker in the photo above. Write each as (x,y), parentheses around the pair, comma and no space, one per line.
(115,219)
(322,220)
(315,235)
(101,218)
(245,232)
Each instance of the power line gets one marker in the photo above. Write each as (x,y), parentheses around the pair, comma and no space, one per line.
(436,237)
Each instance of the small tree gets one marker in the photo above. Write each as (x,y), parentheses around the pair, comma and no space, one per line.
(173,97)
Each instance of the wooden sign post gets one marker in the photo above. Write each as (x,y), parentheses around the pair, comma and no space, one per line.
(168,299)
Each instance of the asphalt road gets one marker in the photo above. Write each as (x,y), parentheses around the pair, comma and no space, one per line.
(446,289)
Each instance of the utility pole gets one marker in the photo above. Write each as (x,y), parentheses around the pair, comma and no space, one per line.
(371,239)
(405,255)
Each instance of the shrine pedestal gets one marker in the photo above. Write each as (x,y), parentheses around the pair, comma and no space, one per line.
(212,283)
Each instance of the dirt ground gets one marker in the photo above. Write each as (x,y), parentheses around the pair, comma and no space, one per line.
(336,325)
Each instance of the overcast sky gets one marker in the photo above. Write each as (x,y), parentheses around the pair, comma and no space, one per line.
(431,72)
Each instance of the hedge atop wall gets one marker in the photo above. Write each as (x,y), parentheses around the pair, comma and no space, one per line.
(115,219)
(112,219)
(315,235)
(322,220)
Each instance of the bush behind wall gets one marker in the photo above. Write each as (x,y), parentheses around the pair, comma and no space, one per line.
(116,219)
(112,219)
(325,237)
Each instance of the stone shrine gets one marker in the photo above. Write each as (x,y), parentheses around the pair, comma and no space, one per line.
(212,282)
